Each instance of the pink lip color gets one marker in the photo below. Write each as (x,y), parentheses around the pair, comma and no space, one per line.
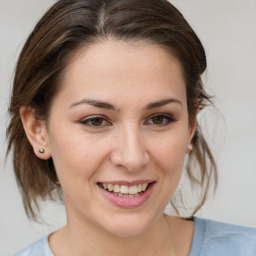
(124,202)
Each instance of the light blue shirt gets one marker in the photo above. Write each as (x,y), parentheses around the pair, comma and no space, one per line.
(210,239)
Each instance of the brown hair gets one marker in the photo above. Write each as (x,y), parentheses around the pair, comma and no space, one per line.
(71,24)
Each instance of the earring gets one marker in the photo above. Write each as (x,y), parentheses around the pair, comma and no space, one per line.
(189,148)
(41,150)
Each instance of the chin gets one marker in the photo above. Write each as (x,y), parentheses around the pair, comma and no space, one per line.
(129,225)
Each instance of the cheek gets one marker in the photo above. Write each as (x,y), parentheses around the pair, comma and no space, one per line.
(170,152)
(65,160)
(76,157)
(169,157)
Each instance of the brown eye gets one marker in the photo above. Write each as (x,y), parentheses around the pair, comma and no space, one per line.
(96,121)
(158,120)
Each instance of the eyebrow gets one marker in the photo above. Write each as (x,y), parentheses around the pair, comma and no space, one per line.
(105,105)
(94,103)
(161,103)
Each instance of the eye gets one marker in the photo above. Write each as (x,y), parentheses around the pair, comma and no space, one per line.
(95,121)
(160,119)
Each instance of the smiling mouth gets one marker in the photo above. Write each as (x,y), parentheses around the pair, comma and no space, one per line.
(125,191)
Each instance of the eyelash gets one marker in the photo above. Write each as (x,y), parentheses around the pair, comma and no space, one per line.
(168,119)
(88,121)
(104,121)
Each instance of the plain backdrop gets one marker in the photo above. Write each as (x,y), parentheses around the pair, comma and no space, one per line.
(227,29)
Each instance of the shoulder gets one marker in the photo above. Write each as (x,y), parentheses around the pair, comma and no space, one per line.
(216,238)
(38,248)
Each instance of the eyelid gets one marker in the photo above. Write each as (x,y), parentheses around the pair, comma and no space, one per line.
(161,114)
(168,116)
(84,121)
(169,119)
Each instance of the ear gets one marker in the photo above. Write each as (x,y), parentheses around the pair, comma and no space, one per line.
(191,133)
(192,130)
(36,132)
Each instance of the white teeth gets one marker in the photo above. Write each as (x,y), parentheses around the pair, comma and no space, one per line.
(116,188)
(125,191)
(144,186)
(110,187)
(133,190)
(126,195)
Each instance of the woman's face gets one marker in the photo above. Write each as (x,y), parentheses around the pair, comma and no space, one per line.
(118,127)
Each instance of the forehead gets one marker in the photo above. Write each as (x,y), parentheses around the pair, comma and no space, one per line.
(110,66)
(118,56)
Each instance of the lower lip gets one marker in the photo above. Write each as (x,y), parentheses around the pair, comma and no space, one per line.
(132,202)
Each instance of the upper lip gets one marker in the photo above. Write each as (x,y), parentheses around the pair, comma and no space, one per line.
(127,183)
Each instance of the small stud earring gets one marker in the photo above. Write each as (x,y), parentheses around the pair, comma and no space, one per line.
(189,148)
(41,150)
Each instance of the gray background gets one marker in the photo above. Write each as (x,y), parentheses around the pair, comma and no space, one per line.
(228,31)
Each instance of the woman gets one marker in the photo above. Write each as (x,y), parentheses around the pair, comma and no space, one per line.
(103,111)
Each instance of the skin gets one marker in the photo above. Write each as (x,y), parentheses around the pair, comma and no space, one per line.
(123,143)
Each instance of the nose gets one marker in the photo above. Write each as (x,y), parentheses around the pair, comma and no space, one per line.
(130,152)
